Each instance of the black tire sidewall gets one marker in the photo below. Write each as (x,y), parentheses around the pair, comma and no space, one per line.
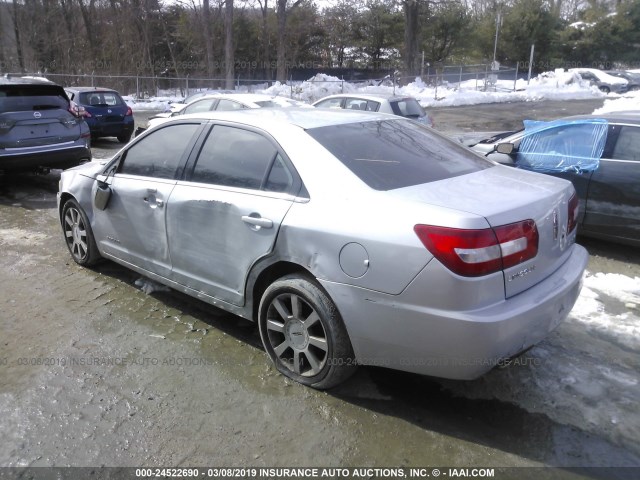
(92,255)
(340,358)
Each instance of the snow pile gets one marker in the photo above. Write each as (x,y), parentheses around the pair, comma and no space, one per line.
(624,292)
(631,101)
(311,90)
(155,103)
(555,85)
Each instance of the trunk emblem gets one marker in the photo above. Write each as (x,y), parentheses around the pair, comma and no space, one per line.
(37,114)
(555,224)
(108,111)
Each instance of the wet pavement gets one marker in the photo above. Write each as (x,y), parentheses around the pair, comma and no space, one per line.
(94,371)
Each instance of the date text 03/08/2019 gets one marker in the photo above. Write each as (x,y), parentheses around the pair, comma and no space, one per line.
(314,472)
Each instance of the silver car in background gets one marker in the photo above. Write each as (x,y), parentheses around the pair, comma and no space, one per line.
(400,105)
(349,237)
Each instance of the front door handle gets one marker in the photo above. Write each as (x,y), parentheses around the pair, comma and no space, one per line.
(257,221)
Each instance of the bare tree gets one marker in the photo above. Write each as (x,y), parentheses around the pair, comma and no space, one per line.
(266,44)
(282,13)
(16,30)
(411,33)
(208,37)
(228,44)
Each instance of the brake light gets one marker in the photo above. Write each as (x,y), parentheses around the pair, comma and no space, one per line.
(79,111)
(129,112)
(473,253)
(572,220)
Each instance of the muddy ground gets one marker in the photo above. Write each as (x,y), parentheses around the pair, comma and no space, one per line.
(93,371)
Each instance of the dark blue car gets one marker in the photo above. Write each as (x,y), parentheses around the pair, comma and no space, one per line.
(104,110)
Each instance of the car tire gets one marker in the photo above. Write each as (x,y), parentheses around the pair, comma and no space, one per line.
(78,234)
(124,138)
(303,333)
(605,89)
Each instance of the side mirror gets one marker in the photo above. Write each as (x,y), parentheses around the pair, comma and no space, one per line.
(505,148)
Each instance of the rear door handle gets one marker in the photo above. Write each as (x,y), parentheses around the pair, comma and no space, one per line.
(257,221)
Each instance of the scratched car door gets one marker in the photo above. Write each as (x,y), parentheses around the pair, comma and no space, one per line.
(132,228)
(225,216)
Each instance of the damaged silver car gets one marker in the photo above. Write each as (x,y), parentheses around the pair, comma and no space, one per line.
(351,238)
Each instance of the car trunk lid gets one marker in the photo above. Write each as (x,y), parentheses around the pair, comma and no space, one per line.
(505,196)
(35,128)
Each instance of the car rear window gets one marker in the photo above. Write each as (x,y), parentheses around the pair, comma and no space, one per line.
(407,107)
(18,98)
(392,154)
(101,99)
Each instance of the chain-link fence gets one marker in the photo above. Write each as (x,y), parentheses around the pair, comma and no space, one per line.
(466,77)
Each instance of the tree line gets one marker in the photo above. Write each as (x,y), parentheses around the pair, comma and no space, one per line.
(267,39)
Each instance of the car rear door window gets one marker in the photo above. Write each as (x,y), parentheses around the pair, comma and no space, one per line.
(355,104)
(330,103)
(399,153)
(235,157)
(199,106)
(280,178)
(373,106)
(628,144)
(229,105)
(160,152)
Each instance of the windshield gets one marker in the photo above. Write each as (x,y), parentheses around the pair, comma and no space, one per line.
(394,154)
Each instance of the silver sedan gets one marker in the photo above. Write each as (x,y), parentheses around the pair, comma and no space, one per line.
(349,237)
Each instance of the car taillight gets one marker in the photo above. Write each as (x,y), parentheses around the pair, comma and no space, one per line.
(572,220)
(129,112)
(473,253)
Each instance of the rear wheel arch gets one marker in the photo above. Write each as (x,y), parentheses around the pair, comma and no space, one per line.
(269,275)
(303,333)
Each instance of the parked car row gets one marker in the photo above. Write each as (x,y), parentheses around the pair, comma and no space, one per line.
(616,81)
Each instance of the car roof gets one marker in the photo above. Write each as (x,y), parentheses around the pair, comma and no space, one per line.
(89,89)
(627,116)
(304,118)
(9,80)
(243,97)
(368,96)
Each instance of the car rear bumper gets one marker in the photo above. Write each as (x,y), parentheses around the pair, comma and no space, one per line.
(400,332)
(115,129)
(63,157)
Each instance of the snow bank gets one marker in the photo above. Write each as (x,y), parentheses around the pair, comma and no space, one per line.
(555,85)
(631,101)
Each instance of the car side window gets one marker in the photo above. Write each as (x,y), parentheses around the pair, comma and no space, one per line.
(159,153)
(331,103)
(229,105)
(199,106)
(355,104)
(628,144)
(280,178)
(562,148)
(373,106)
(234,157)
